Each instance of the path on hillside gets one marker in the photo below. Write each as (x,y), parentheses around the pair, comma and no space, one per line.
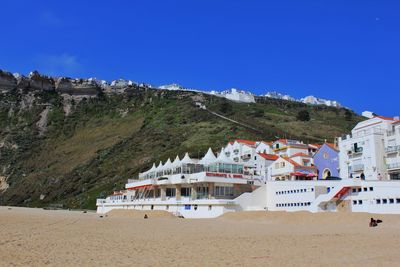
(231,120)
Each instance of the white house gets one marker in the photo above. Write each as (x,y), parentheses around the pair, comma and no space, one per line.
(392,151)
(298,167)
(370,150)
(264,147)
(287,147)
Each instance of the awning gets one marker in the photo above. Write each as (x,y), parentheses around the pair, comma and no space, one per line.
(298,174)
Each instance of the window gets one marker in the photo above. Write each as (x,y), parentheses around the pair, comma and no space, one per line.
(224,191)
(365,189)
(359,189)
(384,201)
(171,192)
(354,202)
(391,200)
(360,202)
(397,200)
(371,189)
(185,191)
(354,190)
(378,201)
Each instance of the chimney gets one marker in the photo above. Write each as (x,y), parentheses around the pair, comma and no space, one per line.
(368,114)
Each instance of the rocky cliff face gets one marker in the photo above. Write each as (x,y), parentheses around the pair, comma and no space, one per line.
(7,81)
(63,85)
(77,87)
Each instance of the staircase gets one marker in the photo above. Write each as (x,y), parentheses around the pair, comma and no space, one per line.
(336,193)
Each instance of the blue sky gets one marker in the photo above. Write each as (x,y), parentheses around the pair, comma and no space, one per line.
(343,50)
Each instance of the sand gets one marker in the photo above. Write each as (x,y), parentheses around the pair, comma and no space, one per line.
(35,237)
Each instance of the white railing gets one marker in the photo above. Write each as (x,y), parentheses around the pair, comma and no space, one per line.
(101,201)
(395,165)
(357,167)
(391,149)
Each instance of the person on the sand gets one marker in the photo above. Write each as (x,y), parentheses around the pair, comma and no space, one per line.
(373,223)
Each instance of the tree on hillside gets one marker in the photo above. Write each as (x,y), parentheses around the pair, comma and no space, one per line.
(303,115)
(226,107)
(348,115)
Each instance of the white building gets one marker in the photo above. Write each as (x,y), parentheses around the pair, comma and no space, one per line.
(312,100)
(255,156)
(392,151)
(371,150)
(239,96)
(233,180)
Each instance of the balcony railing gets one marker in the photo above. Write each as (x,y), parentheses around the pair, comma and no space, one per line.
(392,166)
(358,167)
(392,149)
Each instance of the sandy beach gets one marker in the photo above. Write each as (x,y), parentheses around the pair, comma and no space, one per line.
(36,237)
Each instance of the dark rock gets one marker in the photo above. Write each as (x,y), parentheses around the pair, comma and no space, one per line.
(7,81)
(77,87)
(41,82)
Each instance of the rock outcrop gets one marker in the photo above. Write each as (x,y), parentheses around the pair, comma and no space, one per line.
(7,81)
(77,86)
(40,82)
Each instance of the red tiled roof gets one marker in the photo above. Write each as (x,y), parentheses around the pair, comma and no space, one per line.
(332,146)
(246,142)
(385,118)
(269,156)
(315,145)
(267,142)
(300,155)
(291,161)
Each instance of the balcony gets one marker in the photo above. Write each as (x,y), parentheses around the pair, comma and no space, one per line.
(392,149)
(393,166)
(245,156)
(391,133)
(357,168)
(355,152)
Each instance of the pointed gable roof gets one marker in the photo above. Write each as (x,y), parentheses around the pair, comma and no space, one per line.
(177,162)
(187,160)
(208,158)
(153,168)
(160,166)
(168,164)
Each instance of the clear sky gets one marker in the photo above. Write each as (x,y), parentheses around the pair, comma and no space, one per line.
(343,50)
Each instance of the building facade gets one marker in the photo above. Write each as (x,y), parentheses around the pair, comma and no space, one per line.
(365,152)
(326,160)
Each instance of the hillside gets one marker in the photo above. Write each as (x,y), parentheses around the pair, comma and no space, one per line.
(70,147)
